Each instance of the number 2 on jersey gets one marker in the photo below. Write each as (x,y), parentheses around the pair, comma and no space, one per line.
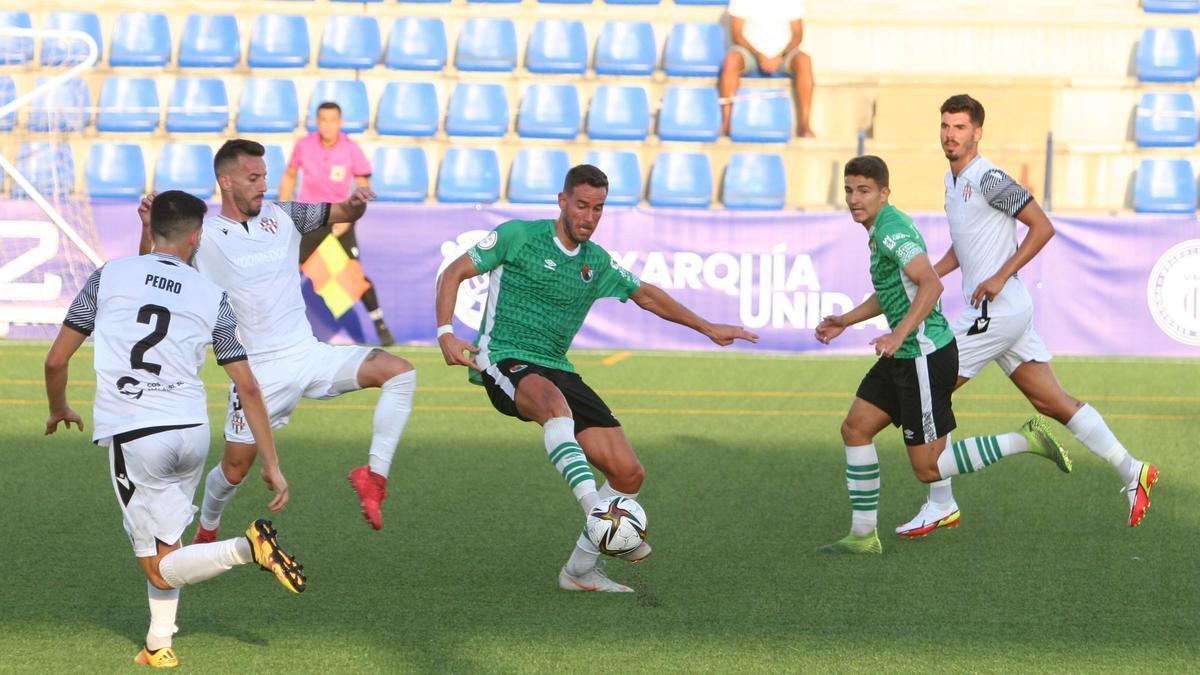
(161,316)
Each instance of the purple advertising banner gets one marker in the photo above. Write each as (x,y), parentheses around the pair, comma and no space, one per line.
(1125,286)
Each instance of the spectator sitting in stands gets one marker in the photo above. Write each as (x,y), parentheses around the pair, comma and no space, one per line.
(766,38)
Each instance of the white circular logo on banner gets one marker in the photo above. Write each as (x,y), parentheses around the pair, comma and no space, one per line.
(472,293)
(1173,292)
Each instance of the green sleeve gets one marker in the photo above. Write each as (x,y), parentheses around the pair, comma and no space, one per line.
(615,281)
(897,240)
(497,247)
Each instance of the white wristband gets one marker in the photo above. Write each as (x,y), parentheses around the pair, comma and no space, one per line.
(445,328)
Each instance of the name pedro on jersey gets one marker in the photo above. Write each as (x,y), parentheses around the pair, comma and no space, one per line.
(164,283)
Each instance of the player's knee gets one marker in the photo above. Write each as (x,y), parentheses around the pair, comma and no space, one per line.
(927,474)
(852,435)
(156,580)
(236,467)
(398,365)
(801,61)
(629,478)
(734,62)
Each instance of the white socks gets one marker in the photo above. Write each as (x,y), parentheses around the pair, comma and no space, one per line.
(979,452)
(391,414)
(940,492)
(199,562)
(217,493)
(566,456)
(862,480)
(163,605)
(583,558)
(1089,429)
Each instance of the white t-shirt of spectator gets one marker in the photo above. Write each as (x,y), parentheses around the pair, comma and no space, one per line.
(767,25)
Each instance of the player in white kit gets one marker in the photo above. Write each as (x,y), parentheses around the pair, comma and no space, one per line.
(250,250)
(983,206)
(153,316)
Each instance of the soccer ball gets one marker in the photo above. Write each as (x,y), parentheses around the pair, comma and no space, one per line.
(616,525)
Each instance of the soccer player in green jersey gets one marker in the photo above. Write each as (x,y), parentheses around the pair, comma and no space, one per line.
(543,277)
(911,383)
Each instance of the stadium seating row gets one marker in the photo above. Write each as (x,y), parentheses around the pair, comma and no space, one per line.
(270,105)
(683,179)
(420,43)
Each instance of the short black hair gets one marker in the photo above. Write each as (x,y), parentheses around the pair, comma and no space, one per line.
(868,166)
(584,174)
(964,103)
(330,105)
(175,214)
(233,149)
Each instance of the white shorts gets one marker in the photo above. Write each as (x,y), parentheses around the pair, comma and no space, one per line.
(1008,340)
(155,474)
(322,372)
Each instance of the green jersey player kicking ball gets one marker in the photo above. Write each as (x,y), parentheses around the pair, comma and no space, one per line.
(910,385)
(543,277)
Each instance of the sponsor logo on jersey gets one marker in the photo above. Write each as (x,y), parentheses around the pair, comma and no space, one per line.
(268,224)
(890,240)
(488,242)
(517,368)
(1173,292)
(127,386)
(550,264)
(586,274)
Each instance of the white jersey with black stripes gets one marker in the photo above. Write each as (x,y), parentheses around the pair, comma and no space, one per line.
(255,262)
(982,204)
(152,317)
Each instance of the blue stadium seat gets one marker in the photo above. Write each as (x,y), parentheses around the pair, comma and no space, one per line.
(681,179)
(495,2)
(8,91)
(407,109)
(537,175)
(689,114)
(626,48)
(187,167)
(116,170)
(128,104)
(619,113)
(140,39)
(69,52)
(49,168)
(477,109)
(15,50)
(549,111)
(401,174)
(762,116)
(417,43)
(1164,186)
(694,50)
(350,42)
(469,175)
(624,175)
(1171,6)
(557,46)
(268,105)
(702,2)
(61,108)
(632,2)
(210,41)
(1167,55)
(351,95)
(487,45)
(276,167)
(1166,120)
(755,180)
(279,41)
(564,2)
(198,105)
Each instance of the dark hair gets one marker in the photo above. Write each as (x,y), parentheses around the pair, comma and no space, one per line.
(584,174)
(175,214)
(330,105)
(233,149)
(960,103)
(868,166)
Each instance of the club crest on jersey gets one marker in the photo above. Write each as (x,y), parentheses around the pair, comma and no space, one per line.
(238,422)
(517,368)
(269,224)
(586,274)
(967,192)
(127,386)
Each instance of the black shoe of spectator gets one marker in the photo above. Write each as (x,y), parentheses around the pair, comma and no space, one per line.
(385,335)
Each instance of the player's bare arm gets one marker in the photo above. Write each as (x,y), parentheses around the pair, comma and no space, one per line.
(833,325)
(58,360)
(352,208)
(929,289)
(287,184)
(1041,231)
(656,301)
(455,350)
(947,264)
(146,244)
(255,410)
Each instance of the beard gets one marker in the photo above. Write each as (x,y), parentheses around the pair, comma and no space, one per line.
(249,209)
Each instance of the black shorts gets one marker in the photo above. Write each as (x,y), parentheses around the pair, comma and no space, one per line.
(588,409)
(915,393)
(310,242)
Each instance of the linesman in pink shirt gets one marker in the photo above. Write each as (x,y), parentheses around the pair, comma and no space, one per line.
(333,165)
